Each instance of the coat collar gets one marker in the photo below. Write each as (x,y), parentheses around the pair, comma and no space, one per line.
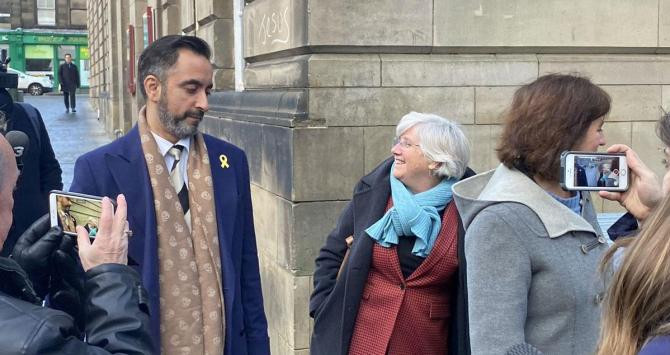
(508,185)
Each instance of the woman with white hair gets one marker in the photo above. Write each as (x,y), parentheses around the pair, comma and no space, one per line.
(388,280)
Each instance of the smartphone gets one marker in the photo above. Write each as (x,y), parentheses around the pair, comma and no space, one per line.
(594,171)
(69,210)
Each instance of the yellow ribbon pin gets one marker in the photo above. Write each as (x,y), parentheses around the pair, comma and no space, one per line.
(224,161)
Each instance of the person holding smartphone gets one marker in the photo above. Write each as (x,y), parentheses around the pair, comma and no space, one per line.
(532,249)
(646,190)
(115,319)
(636,314)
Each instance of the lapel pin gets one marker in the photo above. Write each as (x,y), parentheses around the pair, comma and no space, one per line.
(224,161)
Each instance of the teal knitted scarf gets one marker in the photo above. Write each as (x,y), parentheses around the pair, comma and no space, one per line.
(413,215)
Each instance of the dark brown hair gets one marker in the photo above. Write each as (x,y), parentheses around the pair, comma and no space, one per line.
(548,116)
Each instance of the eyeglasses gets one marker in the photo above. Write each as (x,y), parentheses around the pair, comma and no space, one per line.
(403,143)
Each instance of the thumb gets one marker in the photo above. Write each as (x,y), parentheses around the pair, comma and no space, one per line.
(612,196)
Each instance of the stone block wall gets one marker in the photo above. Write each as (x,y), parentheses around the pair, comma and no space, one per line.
(108,42)
(70,14)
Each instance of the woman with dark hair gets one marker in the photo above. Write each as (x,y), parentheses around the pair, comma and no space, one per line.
(532,248)
(399,288)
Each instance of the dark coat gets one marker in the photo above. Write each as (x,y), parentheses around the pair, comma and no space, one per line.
(334,303)
(115,321)
(119,167)
(624,226)
(68,76)
(41,173)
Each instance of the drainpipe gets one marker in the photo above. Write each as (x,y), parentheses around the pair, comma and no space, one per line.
(238,42)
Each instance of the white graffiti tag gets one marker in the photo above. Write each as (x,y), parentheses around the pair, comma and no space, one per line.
(275,28)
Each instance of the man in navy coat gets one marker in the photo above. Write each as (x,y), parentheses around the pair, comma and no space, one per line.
(175,77)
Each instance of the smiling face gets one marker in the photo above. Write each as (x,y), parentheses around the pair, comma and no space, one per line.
(183,98)
(412,168)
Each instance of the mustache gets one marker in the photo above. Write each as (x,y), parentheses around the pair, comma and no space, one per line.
(199,114)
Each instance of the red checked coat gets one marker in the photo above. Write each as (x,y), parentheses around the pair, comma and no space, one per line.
(335,303)
(408,316)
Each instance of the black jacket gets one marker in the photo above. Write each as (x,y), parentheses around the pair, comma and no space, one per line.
(41,173)
(68,76)
(115,321)
(334,303)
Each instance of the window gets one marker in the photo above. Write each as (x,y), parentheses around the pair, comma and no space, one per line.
(46,12)
(39,59)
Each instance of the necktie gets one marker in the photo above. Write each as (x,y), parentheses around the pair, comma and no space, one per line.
(177,180)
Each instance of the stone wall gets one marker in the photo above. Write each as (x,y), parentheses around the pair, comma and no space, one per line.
(99,53)
(70,14)
(108,24)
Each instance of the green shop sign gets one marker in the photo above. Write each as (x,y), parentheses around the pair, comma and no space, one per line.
(55,39)
(39,52)
(83,53)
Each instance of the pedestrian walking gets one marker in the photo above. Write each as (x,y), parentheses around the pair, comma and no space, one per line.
(68,75)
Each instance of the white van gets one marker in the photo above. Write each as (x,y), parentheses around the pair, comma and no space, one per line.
(35,85)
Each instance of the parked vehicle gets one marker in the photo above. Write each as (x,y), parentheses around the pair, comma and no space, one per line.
(35,85)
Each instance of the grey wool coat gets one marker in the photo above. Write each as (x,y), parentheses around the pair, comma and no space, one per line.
(532,266)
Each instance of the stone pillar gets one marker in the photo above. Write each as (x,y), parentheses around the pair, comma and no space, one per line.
(121,96)
(170,15)
(101,50)
(214,24)
(136,10)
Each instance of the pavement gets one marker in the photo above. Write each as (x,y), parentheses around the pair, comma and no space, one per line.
(71,134)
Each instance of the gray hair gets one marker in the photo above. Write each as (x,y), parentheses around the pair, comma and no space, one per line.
(442,141)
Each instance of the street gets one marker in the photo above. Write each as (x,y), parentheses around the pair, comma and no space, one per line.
(71,134)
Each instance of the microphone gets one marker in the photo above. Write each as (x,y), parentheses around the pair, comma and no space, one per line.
(20,143)
(523,349)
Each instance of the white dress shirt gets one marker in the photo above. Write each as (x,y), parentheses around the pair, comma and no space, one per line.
(164,145)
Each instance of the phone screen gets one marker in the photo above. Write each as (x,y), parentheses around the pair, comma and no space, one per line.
(72,211)
(597,171)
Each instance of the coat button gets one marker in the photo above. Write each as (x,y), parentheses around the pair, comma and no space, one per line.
(402,286)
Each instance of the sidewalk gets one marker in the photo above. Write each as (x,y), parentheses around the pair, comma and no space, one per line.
(71,134)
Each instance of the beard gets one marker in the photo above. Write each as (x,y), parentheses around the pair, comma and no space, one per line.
(176,124)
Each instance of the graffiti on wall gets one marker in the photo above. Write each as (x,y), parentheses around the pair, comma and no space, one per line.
(274,27)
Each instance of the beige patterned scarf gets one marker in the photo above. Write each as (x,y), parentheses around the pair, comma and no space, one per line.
(191,301)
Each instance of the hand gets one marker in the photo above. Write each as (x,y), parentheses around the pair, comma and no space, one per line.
(644,191)
(33,252)
(111,242)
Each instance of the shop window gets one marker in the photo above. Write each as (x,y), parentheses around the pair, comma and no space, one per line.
(39,59)
(46,12)
(33,64)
